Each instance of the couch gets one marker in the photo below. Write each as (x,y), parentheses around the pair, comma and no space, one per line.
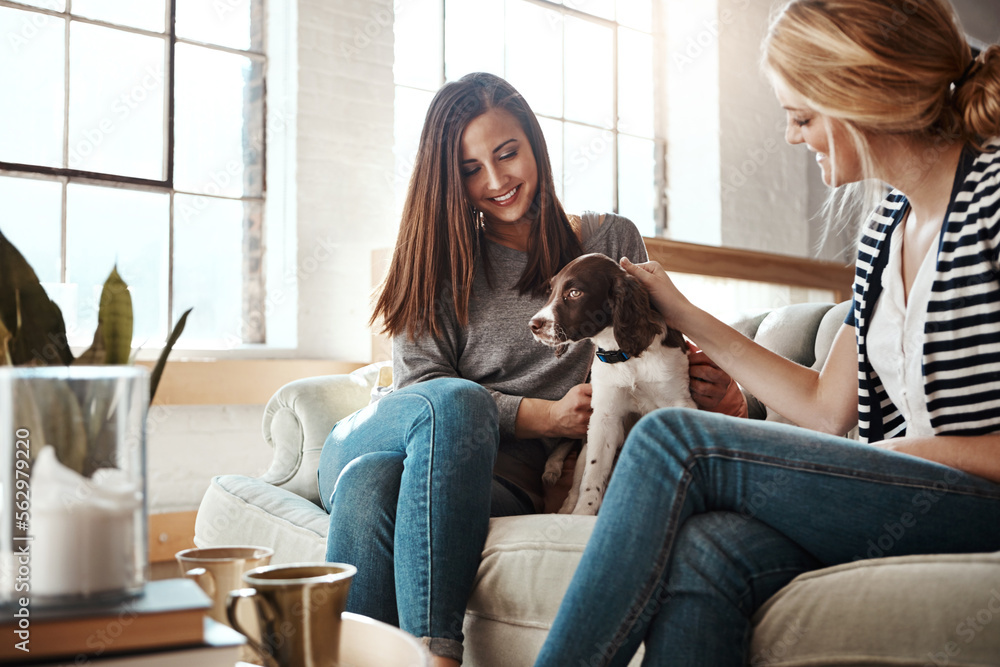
(928,610)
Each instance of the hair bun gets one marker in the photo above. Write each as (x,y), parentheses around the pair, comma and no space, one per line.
(977,97)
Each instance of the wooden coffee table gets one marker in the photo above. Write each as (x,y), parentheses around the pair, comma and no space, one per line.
(365,642)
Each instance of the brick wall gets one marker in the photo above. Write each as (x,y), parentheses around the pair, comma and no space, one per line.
(345,166)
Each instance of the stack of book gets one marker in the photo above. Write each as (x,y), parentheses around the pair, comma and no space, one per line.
(166,625)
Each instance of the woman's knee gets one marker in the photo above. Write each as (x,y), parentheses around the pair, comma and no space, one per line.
(369,483)
(664,428)
(466,425)
(472,398)
(740,557)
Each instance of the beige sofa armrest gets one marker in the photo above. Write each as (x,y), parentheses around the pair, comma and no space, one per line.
(299,417)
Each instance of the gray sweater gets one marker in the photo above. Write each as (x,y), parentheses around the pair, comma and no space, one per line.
(497,350)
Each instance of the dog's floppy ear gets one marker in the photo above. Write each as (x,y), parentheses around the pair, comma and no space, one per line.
(634,320)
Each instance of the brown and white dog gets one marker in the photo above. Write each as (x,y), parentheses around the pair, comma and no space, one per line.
(640,365)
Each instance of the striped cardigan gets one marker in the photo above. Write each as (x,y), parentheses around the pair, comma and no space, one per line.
(961,355)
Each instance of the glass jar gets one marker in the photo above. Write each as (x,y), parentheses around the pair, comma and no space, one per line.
(72,484)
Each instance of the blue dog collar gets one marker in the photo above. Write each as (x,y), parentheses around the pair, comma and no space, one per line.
(611,356)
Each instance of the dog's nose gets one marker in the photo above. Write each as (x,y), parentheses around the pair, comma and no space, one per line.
(536,324)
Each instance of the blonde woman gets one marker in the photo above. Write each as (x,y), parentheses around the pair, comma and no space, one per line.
(674,559)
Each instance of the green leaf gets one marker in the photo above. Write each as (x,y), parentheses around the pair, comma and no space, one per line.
(53,412)
(115,319)
(154,379)
(38,332)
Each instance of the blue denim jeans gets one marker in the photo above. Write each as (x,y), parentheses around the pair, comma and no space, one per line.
(706,516)
(409,485)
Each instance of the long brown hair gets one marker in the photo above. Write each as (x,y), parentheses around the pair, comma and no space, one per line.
(440,235)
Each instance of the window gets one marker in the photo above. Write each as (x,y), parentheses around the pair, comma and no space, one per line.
(584,66)
(133,134)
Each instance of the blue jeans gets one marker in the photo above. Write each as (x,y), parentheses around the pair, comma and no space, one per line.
(706,516)
(409,485)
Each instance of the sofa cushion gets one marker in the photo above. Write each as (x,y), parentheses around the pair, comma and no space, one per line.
(528,562)
(248,510)
(912,610)
(537,553)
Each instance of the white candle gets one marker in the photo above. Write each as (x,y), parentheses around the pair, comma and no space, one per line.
(83,529)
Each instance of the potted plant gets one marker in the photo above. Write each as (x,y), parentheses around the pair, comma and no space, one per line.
(73,441)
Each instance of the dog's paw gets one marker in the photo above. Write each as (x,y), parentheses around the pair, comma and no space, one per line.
(553,472)
(569,505)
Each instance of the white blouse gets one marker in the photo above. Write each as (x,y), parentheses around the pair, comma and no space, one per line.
(896,336)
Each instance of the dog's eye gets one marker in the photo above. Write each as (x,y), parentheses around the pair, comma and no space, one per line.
(573,293)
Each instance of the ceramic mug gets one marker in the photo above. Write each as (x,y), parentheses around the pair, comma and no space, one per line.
(219,570)
(298,608)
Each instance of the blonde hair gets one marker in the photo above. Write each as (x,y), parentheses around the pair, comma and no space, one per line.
(881,67)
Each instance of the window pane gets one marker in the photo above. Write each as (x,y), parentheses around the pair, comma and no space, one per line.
(603,8)
(144,14)
(208,269)
(636,182)
(32,214)
(411,107)
(127,228)
(54,5)
(553,130)
(473,37)
(589,69)
(636,14)
(238,24)
(32,78)
(218,121)
(588,172)
(418,36)
(534,55)
(635,83)
(116,102)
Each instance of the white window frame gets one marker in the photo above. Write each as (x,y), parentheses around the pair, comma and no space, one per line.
(278,56)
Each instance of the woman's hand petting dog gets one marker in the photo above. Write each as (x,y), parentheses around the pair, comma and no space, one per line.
(570,415)
(664,295)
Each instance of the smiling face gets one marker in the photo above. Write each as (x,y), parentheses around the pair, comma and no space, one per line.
(498,167)
(825,136)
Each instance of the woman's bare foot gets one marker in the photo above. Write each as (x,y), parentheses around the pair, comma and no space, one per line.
(438,661)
